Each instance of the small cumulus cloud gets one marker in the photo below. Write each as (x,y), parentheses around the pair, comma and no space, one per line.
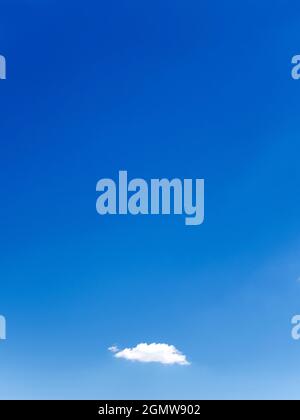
(113,349)
(154,352)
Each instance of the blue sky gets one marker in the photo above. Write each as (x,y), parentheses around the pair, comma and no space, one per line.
(160,89)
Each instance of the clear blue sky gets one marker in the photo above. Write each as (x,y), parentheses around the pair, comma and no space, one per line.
(196,89)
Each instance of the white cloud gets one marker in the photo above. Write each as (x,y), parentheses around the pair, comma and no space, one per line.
(154,352)
(113,349)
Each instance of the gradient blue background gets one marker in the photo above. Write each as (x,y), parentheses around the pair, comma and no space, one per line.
(163,88)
